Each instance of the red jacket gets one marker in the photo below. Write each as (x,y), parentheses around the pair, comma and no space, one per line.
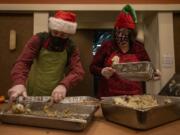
(116,85)
(23,64)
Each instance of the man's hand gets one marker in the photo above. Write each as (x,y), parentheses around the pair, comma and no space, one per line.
(59,93)
(16,91)
(107,72)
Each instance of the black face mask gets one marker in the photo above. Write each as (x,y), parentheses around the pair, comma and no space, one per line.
(122,36)
(57,43)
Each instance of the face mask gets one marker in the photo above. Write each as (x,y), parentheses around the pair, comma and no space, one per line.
(122,36)
(57,41)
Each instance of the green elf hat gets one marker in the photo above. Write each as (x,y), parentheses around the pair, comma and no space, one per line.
(127,18)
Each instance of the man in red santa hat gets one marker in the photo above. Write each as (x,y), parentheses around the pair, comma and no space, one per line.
(122,48)
(40,69)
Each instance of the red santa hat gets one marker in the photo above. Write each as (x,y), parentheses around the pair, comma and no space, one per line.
(63,22)
(126,18)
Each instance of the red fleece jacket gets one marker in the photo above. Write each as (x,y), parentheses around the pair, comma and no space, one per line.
(116,85)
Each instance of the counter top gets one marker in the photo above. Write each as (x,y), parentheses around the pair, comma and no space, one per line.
(99,126)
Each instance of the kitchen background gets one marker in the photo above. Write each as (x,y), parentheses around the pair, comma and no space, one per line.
(158,25)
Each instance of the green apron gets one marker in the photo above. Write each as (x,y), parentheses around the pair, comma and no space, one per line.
(46,72)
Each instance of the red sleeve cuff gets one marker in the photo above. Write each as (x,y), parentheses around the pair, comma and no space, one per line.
(19,82)
(65,84)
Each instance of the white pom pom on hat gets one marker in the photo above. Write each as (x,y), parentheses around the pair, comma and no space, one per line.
(63,22)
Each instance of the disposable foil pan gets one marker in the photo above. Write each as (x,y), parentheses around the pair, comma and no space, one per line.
(82,100)
(78,118)
(138,71)
(142,119)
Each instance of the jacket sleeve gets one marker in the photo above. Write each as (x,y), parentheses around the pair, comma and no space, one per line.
(76,71)
(98,60)
(21,68)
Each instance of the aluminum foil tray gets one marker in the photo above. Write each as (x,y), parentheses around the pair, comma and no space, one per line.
(142,119)
(82,100)
(138,71)
(68,116)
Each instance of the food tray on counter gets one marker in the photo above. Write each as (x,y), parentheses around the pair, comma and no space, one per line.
(138,71)
(82,100)
(59,116)
(142,119)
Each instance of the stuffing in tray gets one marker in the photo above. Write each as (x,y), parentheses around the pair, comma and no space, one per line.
(18,108)
(46,112)
(137,102)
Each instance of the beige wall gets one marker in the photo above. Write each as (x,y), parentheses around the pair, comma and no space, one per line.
(152,46)
(166,44)
(40,22)
(160,46)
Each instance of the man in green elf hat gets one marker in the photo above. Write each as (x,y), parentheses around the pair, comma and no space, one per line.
(40,69)
(121,49)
